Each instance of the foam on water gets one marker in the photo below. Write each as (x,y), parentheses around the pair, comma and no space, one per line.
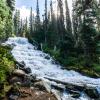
(42,64)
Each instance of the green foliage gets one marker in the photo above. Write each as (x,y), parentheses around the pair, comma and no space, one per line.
(6,66)
(5,20)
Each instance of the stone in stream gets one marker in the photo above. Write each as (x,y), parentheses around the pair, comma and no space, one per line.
(27,70)
(47,57)
(20,65)
(92,93)
(75,94)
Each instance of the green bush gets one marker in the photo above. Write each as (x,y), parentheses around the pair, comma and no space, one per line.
(6,66)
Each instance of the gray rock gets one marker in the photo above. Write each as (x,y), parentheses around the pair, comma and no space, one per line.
(27,70)
(47,57)
(92,93)
(13,97)
(20,65)
(39,85)
(15,80)
(19,72)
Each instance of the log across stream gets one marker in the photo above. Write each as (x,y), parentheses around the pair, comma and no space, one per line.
(44,67)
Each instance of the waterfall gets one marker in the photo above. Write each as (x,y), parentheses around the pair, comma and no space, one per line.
(43,65)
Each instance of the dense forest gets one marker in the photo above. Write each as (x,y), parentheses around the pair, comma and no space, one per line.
(72,39)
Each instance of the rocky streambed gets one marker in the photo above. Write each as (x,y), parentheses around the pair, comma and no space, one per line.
(36,69)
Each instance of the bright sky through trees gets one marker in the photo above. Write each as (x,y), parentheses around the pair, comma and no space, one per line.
(24,6)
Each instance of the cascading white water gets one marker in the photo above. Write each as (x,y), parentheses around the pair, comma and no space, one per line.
(43,65)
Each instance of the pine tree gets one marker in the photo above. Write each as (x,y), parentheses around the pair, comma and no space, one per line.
(37,20)
(61,27)
(45,21)
(17,23)
(68,19)
(11,4)
(4,19)
(31,22)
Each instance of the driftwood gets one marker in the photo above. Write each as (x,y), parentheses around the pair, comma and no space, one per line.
(78,88)
(66,83)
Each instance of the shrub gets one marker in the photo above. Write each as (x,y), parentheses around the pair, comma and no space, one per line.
(6,66)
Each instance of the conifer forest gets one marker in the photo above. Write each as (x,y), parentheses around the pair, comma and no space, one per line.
(57,43)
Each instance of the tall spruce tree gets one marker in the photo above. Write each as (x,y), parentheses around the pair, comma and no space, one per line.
(68,19)
(31,22)
(17,23)
(11,4)
(61,27)
(37,20)
(45,21)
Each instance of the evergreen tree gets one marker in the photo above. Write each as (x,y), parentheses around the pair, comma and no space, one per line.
(68,19)
(86,18)
(4,17)
(37,21)
(61,27)
(17,23)
(11,4)
(31,22)
(45,21)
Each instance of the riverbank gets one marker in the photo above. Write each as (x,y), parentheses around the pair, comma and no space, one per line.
(75,63)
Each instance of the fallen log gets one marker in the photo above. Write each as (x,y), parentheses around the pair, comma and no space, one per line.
(78,87)
(66,83)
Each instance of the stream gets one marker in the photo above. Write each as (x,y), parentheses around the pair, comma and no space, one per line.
(42,65)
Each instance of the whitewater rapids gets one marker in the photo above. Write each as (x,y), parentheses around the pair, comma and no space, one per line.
(43,65)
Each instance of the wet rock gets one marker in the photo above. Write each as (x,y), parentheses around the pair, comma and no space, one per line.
(93,93)
(47,57)
(15,80)
(75,94)
(39,85)
(27,70)
(33,78)
(27,81)
(19,72)
(20,65)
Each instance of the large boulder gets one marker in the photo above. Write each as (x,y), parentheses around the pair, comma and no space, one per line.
(19,72)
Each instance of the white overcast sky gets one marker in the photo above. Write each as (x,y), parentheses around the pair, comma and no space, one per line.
(24,6)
